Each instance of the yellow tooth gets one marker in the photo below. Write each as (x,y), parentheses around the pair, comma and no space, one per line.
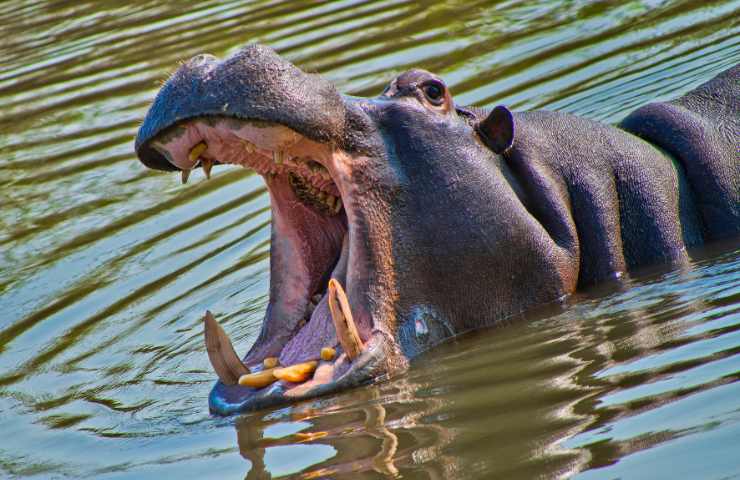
(185,175)
(343,321)
(270,362)
(330,201)
(328,354)
(196,151)
(278,157)
(300,372)
(338,205)
(221,352)
(207,166)
(258,379)
(248,146)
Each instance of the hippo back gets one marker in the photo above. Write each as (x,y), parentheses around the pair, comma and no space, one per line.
(701,129)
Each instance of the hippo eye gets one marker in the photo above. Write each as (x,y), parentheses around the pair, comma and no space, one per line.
(434,91)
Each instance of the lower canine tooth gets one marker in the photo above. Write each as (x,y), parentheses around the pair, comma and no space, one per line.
(300,372)
(185,175)
(343,321)
(258,379)
(221,352)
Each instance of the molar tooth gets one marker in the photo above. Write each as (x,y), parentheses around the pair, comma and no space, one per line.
(221,352)
(196,151)
(300,372)
(184,176)
(258,379)
(207,166)
(341,315)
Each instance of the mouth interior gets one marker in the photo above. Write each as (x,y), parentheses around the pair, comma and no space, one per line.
(310,230)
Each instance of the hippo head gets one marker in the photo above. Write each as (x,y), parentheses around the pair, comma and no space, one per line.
(395,221)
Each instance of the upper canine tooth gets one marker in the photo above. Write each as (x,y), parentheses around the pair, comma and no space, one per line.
(185,175)
(221,352)
(338,205)
(207,166)
(344,324)
(196,151)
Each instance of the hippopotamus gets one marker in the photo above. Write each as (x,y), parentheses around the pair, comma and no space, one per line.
(402,220)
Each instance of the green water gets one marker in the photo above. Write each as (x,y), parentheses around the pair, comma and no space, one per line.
(106,268)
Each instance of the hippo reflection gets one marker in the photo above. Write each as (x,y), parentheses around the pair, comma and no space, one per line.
(401,220)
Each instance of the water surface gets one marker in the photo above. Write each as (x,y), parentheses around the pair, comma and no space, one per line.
(106,268)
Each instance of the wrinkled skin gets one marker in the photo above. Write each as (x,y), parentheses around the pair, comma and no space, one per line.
(453,218)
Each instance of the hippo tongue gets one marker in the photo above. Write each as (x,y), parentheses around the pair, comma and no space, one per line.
(319,332)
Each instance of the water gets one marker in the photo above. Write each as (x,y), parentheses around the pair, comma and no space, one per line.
(106,267)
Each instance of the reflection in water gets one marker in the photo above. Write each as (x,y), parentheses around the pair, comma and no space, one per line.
(106,268)
(544,394)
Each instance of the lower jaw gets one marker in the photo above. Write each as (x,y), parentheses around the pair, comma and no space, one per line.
(370,367)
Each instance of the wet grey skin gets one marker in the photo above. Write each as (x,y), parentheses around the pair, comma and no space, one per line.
(453,217)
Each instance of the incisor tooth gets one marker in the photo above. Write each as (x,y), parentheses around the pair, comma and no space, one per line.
(278,157)
(328,354)
(207,166)
(221,352)
(343,321)
(248,146)
(258,379)
(185,175)
(196,151)
(300,372)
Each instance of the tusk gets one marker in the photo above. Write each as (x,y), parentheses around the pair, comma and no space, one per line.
(221,352)
(185,175)
(196,151)
(343,321)
(300,372)
(207,166)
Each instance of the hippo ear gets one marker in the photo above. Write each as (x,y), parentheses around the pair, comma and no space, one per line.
(497,129)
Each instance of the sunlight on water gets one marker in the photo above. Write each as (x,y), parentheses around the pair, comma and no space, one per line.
(106,268)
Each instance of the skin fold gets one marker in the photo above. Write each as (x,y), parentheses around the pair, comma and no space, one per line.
(452,217)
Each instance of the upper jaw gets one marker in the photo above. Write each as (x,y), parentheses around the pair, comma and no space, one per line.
(254,84)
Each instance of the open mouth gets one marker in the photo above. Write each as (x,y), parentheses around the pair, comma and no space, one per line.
(313,329)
